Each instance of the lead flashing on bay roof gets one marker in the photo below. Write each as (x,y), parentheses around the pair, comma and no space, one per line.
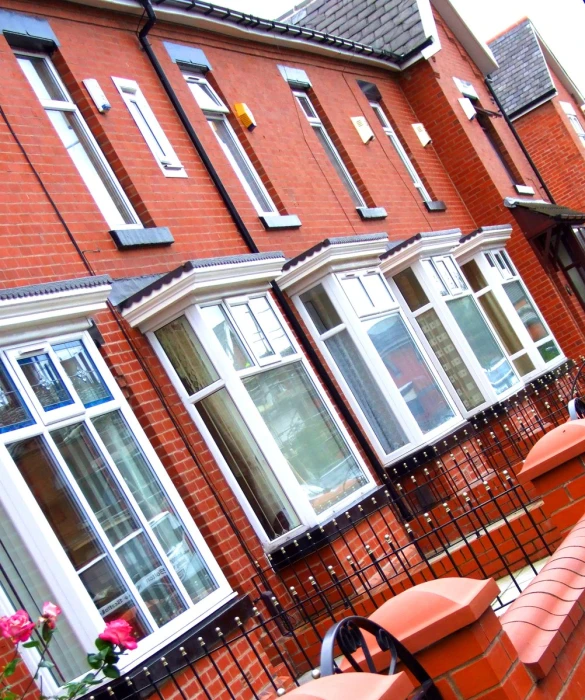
(484,238)
(200,280)
(28,312)
(421,245)
(331,255)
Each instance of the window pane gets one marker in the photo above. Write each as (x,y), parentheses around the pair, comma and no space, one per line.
(500,322)
(306,434)
(24,586)
(450,359)
(433,275)
(154,504)
(75,533)
(205,97)
(409,371)
(271,325)
(91,168)
(252,331)
(240,163)
(474,275)
(411,289)
(320,309)
(228,339)
(247,463)
(306,106)
(357,296)
(366,391)
(119,522)
(45,381)
(79,367)
(186,355)
(335,160)
(41,78)
(497,369)
(13,412)
(549,350)
(525,308)
(524,365)
(152,140)
(377,291)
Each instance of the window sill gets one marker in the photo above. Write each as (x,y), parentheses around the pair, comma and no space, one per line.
(524,189)
(277,222)
(372,213)
(436,206)
(126,239)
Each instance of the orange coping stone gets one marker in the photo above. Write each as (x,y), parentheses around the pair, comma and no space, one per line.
(561,444)
(350,686)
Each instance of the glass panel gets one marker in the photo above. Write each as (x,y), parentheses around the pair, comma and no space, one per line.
(13,412)
(271,325)
(320,309)
(434,276)
(240,163)
(578,282)
(252,331)
(497,369)
(500,322)
(155,506)
(525,309)
(366,391)
(549,350)
(306,434)
(377,291)
(186,355)
(229,340)
(411,289)
(119,522)
(45,381)
(151,138)
(306,106)
(79,367)
(450,359)
(357,296)
(409,371)
(474,275)
(205,97)
(336,162)
(75,533)
(524,365)
(24,586)
(247,463)
(41,78)
(91,168)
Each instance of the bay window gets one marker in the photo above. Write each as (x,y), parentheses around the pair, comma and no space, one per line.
(264,416)
(111,536)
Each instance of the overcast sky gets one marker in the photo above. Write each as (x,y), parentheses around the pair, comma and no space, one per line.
(560,22)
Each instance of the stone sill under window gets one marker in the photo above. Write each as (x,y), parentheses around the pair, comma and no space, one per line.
(372,213)
(524,189)
(437,205)
(129,238)
(278,222)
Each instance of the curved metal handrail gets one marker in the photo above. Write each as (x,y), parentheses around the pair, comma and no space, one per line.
(348,636)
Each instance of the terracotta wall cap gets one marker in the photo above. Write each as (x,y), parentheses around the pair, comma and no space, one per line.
(349,686)
(561,444)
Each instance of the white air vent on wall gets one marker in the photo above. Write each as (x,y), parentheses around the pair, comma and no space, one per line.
(363,129)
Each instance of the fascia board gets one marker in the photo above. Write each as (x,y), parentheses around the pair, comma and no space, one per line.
(203,284)
(559,71)
(423,248)
(333,258)
(429,28)
(485,240)
(478,50)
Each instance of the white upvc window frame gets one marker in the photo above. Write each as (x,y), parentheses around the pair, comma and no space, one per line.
(149,127)
(215,110)
(497,274)
(399,148)
(569,110)
(351,321)
(231,380)
(43,544)
(107,175)
(316,123)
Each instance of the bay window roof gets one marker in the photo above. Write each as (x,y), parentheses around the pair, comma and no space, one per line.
(484,238)
(425,244)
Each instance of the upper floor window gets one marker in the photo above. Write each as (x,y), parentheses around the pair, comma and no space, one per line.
(150,128)
(215,111)
(111,536)
(79,142)
(569,110)
(391,134)
(329,148)
(269,425)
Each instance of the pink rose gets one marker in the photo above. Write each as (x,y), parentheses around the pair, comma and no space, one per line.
(49,614)
(120,633)
(17,627)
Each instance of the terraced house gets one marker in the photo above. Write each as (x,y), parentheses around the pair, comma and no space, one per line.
(275,329)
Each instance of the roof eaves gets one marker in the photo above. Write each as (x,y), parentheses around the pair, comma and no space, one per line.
(47,288)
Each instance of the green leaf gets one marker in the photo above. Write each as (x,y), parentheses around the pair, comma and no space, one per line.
(101,644)
(94,660)
(111,672)
(46,664)
(10,668)
(111,658)
(46,633)
(33,644)
(9,695)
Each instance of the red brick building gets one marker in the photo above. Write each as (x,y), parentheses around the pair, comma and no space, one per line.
(257,281)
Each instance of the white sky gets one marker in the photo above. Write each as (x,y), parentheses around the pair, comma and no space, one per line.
(560,22)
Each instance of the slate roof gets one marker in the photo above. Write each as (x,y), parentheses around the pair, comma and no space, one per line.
(393,25)
(481,229)
(395,246)
(329,242)
(523,77)
(44,288)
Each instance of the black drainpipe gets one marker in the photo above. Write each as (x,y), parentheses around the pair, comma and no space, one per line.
(488,82)
(243,231)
